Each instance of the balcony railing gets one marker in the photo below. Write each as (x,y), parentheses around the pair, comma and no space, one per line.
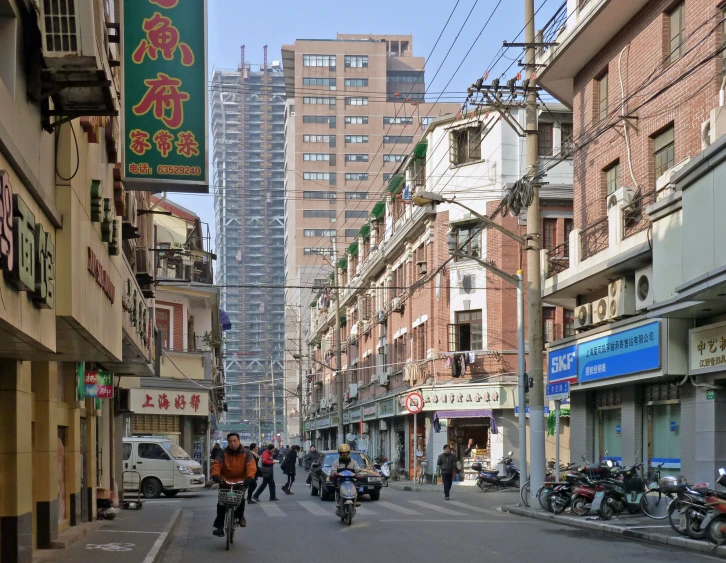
(552,28)
(558,259)
(594,238)
(635,219)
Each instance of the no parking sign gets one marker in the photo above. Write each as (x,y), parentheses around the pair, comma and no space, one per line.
(414,402)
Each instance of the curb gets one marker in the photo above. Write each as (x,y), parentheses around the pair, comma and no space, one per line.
(157,550)
(679,542)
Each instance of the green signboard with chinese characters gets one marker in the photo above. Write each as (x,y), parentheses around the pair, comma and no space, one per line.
(165,95)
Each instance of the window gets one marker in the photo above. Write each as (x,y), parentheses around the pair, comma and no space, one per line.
(544,139)
(466,334)
(612,178)
(566,140)
(468,241)
(317,175)
(398,121)
(356,195)
(319,195)
(569,225)
(426,121)
(465,145)
(356,176)
(319,60)
(330,119)
(548,324)
(127,452)
(329,82)
(316,156)
(387,177)
(330,139)
(419,344)
(320,214)
(351,233)
(356,214)
(358,101)
(315,101)
(677,32)
(394,157)
(317,251)
(406,77)
(664,152)
(569,317)
(319,232)
(356,120)
(356,139)
(399,353)
(163,323)
(356,158)
(549,233)
(394,139)
(356,82)
(356,61)
(602,93)
(408,96)
(152,451)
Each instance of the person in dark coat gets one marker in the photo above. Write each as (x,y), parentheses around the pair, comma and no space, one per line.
(288,468)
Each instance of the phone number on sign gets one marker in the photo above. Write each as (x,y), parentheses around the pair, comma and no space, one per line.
(179,170)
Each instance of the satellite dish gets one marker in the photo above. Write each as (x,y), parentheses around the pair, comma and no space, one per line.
(350,437)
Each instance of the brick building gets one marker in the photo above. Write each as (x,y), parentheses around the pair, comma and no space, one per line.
(410,311)
(643,79)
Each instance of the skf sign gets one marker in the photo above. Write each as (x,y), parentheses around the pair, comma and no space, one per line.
(562,365)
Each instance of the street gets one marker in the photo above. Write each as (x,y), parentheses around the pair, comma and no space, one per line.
(398,527)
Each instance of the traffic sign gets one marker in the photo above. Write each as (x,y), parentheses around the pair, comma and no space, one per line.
(558,391)
(414,402)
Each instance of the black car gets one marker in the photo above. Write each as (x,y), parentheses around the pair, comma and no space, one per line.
(320,475)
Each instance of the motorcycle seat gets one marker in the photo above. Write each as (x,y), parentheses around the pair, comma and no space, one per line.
(490,471)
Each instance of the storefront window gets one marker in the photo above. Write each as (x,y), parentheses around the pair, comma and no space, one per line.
(665,444)
(610,435)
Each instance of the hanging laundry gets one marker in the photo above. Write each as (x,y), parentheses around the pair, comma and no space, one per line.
(472,357)
(462,362)
(447,362)
(456,370)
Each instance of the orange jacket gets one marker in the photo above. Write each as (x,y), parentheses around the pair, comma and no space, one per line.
(234,466)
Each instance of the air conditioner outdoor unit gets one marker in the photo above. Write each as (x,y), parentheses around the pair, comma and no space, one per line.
(381,317)
(324,403)
(600,310)
(353,390)
(583,316)
(72,45)
(622,196)
(667,177)
(622,298)
(142,261)
(644,288)
(130,216)
(397,304)
(383,378)
(714,127)
(422,268)
(366,327)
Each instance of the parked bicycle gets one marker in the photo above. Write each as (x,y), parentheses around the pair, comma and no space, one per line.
(232,498)
(423,464)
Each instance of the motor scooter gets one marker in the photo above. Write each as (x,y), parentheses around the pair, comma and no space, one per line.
(623,491)
(383,467)
(490,480)
(583,493)
(346,495)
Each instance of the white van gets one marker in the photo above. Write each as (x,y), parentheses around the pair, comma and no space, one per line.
(163,465)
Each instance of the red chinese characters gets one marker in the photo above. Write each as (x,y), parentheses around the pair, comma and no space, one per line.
(164,402)
(187,144)
(163,141)
(195,402)
(180,403)
(149,404)
(166,100)
(161,37)
(139,141)
(165,3)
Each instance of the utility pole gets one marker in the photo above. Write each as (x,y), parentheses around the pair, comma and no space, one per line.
(534,302)
(300,381)
(339,361)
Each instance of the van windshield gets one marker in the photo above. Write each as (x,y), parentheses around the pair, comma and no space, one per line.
(176,451)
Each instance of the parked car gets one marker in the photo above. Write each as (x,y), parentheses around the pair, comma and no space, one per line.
(320,476)
(163,465)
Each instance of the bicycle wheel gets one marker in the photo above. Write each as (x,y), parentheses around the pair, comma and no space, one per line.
(229,525)
(655,503)
(524,494)
(677,516)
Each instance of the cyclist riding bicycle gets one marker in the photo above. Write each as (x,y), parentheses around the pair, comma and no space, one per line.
(232,464)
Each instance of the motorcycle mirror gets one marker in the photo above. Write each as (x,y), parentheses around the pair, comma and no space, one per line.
(510,454)
(722,471)
(610,462)
(583,458)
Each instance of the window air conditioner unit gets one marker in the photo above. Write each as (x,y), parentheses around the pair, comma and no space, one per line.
(397,304)
(583,316)
(142,261)
(644,288)
(353,390)
(622,298)
(367,328)
(381,317)
(324,403)
(422,269)
(622,196)
(600,310)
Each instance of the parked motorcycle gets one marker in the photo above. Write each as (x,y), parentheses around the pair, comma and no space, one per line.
(619,493)
(709,520)
(490,480)
(346,495)
(383,467)
(583,493)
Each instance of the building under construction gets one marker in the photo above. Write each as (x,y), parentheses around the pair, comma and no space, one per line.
(248,107)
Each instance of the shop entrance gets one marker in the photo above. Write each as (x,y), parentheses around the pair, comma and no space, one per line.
(609,425)
(662,421)
(476,429)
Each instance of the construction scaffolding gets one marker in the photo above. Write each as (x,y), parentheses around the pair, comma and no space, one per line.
(248,112)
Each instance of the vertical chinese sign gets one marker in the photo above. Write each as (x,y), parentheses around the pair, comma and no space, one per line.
(165,95)
(99,384)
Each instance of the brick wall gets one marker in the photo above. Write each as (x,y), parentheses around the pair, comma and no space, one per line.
(178,321)
(684,105)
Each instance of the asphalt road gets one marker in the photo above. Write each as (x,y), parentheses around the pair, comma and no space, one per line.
(401,526)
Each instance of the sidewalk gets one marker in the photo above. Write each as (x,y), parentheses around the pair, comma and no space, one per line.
(635,526)
(134,536)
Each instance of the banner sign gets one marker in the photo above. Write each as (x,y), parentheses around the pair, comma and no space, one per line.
(165,94)
(620,353)
(562,365)
(707,348)
(98,385)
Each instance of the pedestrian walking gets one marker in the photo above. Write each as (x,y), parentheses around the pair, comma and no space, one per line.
(251,489)
(309,459)
(447,465)
(288,468)
(267,472)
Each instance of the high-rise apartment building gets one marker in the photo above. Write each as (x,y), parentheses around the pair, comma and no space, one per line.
(248,132)
(355,109)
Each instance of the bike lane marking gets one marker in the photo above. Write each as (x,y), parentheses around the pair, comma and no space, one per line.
(272,510)
(314,508)
(437,508)
(399,509)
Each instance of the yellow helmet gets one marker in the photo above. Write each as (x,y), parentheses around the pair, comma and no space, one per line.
(344,452)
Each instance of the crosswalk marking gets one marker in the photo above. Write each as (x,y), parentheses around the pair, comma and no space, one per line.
(365,511)
(436,508)
(314,508)
(469,507)
(272,510)
(396,508)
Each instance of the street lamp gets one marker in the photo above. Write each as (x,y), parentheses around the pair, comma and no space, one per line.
(423,198)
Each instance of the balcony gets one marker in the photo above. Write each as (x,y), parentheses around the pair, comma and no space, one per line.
(184,265)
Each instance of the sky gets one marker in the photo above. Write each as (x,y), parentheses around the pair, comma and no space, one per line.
(449,69)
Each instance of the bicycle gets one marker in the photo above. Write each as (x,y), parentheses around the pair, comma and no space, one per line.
(655,501)
(232,498)
(422,471)
(549,481)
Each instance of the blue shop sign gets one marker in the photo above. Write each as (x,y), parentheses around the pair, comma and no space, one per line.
(562,365)
(620,353)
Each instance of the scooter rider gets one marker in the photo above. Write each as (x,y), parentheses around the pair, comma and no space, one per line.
(344,462)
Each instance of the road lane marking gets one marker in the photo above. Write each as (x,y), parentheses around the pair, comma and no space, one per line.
(272,510)
(448,520)
(437,508)
(151,556)
(314,508)
(129,531)
(469,507)
(399,509)
(365,511)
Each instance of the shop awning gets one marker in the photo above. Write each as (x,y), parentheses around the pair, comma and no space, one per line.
(224,320)
(480,413)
